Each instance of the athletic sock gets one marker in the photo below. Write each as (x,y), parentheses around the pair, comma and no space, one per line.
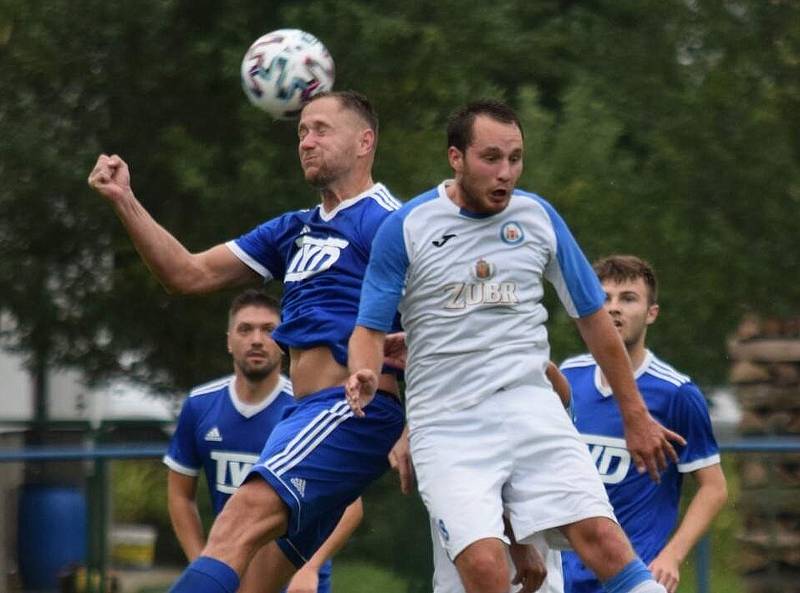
(634,578)
(207,575)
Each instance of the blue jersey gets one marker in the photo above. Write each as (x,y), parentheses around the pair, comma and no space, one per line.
(647,512)
(224,436)
(321,258)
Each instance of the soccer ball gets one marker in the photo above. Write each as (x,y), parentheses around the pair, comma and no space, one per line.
(283,69)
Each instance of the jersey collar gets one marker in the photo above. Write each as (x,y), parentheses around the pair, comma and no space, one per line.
(604,390)
(249,410)
(328,216)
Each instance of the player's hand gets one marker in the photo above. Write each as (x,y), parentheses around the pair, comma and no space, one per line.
(400,460)
(394,350)
(529,566)
(305,580)
(110,177)
(649,444)
(666,570)
(360,388)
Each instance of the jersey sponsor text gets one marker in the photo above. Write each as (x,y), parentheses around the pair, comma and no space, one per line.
(232,468)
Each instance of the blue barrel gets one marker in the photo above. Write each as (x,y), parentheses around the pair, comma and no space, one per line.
(51,533)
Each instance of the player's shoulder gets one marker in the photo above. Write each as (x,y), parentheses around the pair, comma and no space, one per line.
(661,371)
(380,197)
(210,388)
(578,362)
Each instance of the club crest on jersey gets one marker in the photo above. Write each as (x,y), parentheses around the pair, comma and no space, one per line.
(511,233)
(483,270)
(314,255)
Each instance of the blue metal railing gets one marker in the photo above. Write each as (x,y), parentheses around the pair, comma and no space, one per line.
(100,454)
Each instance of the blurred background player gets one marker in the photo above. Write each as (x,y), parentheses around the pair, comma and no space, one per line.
(319,459)
(222,428)
(647,510)
(465,262)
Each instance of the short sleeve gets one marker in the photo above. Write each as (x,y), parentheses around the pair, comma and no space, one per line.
(182,455)
(259,248)
(691,420)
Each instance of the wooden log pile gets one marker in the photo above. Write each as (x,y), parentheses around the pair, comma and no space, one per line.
(765,372)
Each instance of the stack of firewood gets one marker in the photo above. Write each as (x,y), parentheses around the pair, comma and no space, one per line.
(766,377)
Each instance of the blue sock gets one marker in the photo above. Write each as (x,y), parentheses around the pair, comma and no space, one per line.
(635,572)
(207,575)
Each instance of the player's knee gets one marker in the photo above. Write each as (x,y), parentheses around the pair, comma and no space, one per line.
(601,543)
(484,570)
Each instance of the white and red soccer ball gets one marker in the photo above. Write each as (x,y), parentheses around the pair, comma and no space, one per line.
(283,69)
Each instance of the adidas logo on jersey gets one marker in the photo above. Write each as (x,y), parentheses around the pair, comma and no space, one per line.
(306,230)
(299,485)
(213,435)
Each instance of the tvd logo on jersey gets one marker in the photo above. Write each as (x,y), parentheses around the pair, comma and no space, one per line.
(232,468)
(464,294)
(314,255)
(610,456)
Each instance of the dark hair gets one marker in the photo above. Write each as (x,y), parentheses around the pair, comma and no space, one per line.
(353,101)
(253,297)
(622,268)
(461,122)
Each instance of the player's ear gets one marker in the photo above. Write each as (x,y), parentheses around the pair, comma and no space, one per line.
(652,313)
(456,159)
(367,141)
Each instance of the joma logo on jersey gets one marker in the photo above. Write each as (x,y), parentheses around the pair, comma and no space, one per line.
(232,468)
(610,457)
(314,256)
(464,294)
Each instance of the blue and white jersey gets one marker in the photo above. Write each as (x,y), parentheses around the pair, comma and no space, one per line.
(469,289)
(647,511)
(224,436)
(320,257)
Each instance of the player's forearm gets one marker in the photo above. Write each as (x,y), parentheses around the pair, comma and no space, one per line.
(608,350)
(187,526)
(169,261)
(701,511)
(350,520)
(365,350)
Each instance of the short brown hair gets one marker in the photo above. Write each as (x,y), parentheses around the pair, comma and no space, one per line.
(461,123)
(352,101)
(253,297)
(622,268)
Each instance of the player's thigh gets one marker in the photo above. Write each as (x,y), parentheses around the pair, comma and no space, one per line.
(554,480)
(461,468)
(253,516)
(269,571)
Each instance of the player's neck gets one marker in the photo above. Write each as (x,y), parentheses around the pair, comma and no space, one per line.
(637,353)
(344,189)
(254,392)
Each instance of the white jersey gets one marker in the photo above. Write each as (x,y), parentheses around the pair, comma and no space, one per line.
(469,288)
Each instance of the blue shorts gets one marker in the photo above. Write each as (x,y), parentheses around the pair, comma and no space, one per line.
(320,458)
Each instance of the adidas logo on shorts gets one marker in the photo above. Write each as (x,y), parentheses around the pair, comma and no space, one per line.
(213,435)
(300,485)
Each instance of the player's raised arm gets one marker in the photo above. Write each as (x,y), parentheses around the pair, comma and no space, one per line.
(648,441)
(177,269)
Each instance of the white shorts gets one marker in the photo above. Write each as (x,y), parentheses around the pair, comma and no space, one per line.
(516,450)
(446,579)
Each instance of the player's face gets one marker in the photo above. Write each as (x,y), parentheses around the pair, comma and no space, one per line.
(488,171)
(627,303)
(255,354)
(329,141)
